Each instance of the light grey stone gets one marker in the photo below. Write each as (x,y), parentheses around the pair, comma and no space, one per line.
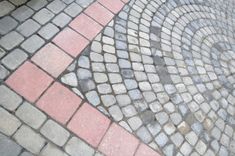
(5,8)
(7,23)
(61,20)
(135,122)
(29,139)
(48,31)
(8,123)
(8,147)
(14,59)
(70,79)
(116,113)
(11,40)
(36,5)
(76,147)
(108,100)
(129,111)
(144,134)
(30,115)
(56,6)
(28,27)
(22,13)
(32,44)
(3,72)
(93,98)
(43,16)
(55,133)
(161,139)
(52,150)
(9,99)
(73,10)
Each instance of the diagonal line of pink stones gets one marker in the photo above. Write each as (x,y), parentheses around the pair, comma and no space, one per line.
(39,87)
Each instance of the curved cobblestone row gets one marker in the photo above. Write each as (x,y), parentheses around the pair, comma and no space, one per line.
(164,70)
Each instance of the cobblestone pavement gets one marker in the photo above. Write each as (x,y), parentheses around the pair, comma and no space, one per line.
(162,69)
(165,71)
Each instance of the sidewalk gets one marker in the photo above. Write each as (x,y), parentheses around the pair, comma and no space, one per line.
(117,77)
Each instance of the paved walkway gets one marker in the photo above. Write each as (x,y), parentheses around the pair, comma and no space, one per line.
(117,77)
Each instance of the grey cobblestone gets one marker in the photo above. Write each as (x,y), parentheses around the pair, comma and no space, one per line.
(28,27)
(76,147)
(22,13)
(48,31)
(30,115)
(7,23)
(8,123)
(11,40)
(43,16)
(30,140)
(8,147)
(9,99)
(61,20)
(5,8)
(32,44)
(14,59)
(55,132)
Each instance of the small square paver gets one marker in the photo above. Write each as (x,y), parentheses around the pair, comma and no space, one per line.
(76,146)
(145,150)
(54,132)
(28,27)
(86,26)
(113,5)
(89,124)
(8,122)
(48,31)
(30,115)
(36,5)
(29,81)
(61,20)
(71,42)
(32,44)
(43,16)
(11,40)
(118,141)
(52,59)
(14,59)
(73,10)
(22,13)
(8,147)
(99,13)
(9,99)
(5,8)
(59,102)
(56,6)
(7,23)
(29,139)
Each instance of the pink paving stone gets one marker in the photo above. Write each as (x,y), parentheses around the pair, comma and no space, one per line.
(86,26)
(89,124)
(52,59)
(29,81)
(99,13)
(113,5)
(59,102)
(144,150)
(70,41)
(118,142)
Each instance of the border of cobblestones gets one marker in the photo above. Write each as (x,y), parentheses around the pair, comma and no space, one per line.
(35,85)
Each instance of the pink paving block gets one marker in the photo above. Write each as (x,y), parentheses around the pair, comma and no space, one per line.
(70,41)
(52,59)
(29,81)
(59,102)
(89,124)
(99,13)
(113,5)
(118,142)
(86,26)
(146,151)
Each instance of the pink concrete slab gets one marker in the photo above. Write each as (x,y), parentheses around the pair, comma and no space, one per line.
(29,81)
(89,124)
(86,26)
(113,5)
(118,142)
(52,59)
(71,42)
(59,102)
(99,13)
